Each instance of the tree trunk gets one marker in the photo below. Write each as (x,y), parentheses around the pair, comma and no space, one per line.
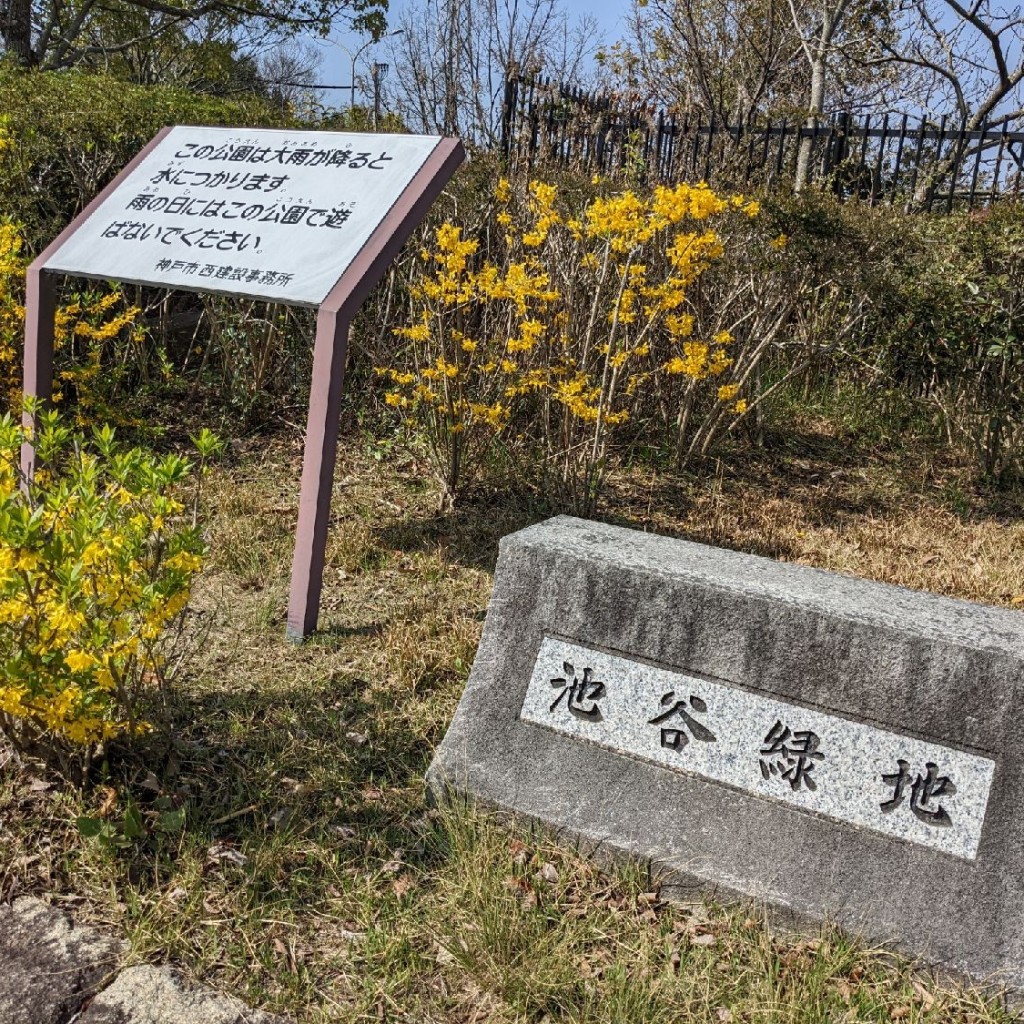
(16,31)
(816,107)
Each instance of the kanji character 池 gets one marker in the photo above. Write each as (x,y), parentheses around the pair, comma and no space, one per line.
(583,694)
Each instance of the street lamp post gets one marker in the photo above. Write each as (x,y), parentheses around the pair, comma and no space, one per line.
(380,72)
(352,71)
(352,74)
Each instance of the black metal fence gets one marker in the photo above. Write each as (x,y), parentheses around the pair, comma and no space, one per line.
(891,158)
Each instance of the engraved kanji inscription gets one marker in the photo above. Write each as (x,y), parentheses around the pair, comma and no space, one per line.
(925,791)
(814,762)
(583,694)
(677,736)
(790,755)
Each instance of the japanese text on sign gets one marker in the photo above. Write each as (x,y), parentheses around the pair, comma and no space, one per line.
(271,214)
(849,771)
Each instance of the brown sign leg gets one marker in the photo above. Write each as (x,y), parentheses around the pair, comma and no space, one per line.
(318,459)
(40,309)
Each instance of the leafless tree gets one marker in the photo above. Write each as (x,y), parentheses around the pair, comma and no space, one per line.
(451,57)
(290,71)
(727,59)
(818,26)
(961,60)
(966,60)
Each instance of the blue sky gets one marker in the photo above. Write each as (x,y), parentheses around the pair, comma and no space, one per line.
(335,69)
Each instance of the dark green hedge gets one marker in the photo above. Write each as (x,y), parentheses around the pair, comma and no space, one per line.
(68,133)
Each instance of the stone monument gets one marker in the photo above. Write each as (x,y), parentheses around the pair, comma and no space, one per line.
(838,748)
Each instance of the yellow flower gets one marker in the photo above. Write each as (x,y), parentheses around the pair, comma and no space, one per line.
(184,561)
(78,661)
(28,561)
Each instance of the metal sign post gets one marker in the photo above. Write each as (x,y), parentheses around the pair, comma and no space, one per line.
(303,218)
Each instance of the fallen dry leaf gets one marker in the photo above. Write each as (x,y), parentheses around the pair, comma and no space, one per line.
(549,873)
(445,956)
(927,999)
(220,852)
(395,864)
(109,801)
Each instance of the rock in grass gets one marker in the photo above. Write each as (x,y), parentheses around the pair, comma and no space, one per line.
(48,965)
(841,749)
(157,995)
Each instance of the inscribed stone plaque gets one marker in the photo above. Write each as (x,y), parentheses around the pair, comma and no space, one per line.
(843,749)
(822,763)
(266,213)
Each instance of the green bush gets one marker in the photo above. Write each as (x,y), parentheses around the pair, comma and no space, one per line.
(97,557)
(928,304)
(956,330)
(68,133)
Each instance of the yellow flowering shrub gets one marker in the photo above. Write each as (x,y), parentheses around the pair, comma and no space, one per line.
(97,557)
(86,329)
(565,328)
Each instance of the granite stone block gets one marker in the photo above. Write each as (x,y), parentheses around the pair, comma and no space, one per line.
(49,965)
(838,748)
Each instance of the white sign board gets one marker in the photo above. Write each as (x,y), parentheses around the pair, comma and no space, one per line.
(270,214)
(849,771)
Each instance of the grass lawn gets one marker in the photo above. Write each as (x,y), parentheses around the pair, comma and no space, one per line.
(312,877)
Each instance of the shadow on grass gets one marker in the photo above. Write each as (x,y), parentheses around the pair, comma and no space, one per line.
(327,773)
(339,631)
(469,534)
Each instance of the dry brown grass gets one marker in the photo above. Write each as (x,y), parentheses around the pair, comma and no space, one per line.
(312,878)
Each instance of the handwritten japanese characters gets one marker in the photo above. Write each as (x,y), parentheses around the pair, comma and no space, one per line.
(270,214)
(846,770)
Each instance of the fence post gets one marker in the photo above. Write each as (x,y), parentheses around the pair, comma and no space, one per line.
(577,127)
(876,175)
(507,113)
(994,194)
(899,157)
